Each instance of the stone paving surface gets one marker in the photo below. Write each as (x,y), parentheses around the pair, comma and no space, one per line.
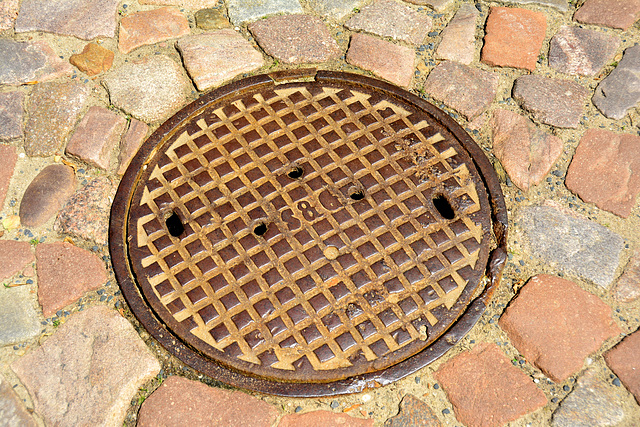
(46,194)
(547,88)
(581,51)
(85,20)
(555,324)
(53,109)
(486,390)
(513,37)
(619,91)
(65,273)
(623,360)
(12,413)
(557,238)
(606,170)
(593,402)
(180,402)
(389,18)
(24,62)
(85,373)
(293,39)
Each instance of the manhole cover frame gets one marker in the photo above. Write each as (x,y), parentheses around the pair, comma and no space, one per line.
(174,344)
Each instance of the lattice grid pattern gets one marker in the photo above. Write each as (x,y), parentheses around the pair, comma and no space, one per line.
(276,300)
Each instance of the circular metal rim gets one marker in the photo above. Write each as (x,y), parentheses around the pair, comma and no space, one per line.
(138,305)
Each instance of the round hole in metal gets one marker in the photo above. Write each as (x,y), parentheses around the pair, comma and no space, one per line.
(443,207)
(333,296)
(296,173)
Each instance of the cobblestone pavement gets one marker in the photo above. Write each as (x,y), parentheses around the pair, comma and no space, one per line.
(548,88)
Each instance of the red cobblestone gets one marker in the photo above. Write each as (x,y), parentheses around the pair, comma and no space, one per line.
(181,402)
(151,26)
(14,256)
(526,152)
(467,90)
(513,37)
(295,38)
(93,60)
(624,360)
(556,324)
(606,170)
(96,135)
(65,273)
(387,60)
(486,390)
(609,13)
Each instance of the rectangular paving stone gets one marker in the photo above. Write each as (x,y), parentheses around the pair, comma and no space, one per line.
(526,152)
(19,320)
(8,159)
(605,170)
(88,371)
(249,10)
(624,361)
(80,18)
(468,90)
(11,115)
(24,62)
(581,51)
(86,213)
(572,244)
(214,57)
(556,102)
(385,59)
(336,9)
(388,18)
(620,90)
(459,37)
(323,418)
(53,110)
(8,13)
(150,89)
(14,257)
(295,38)
(609,13)
(556,324)
(65,273)
(151,26)
(95,136)
(486,389)
(513,37)
(182,402)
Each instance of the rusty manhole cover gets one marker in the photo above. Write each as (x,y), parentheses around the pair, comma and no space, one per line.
(308,234)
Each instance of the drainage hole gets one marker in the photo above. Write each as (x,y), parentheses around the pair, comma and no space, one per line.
(444,207)
(296,173)
(174,225)
(260,229)
(356,193)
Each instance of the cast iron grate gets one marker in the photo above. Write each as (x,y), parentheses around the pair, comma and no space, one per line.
(308,234)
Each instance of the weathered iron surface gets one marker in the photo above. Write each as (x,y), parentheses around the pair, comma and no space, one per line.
(308,234)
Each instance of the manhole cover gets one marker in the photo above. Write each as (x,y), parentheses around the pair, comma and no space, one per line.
(308,234)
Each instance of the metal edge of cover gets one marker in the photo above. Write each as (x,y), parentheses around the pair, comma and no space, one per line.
(159,330)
